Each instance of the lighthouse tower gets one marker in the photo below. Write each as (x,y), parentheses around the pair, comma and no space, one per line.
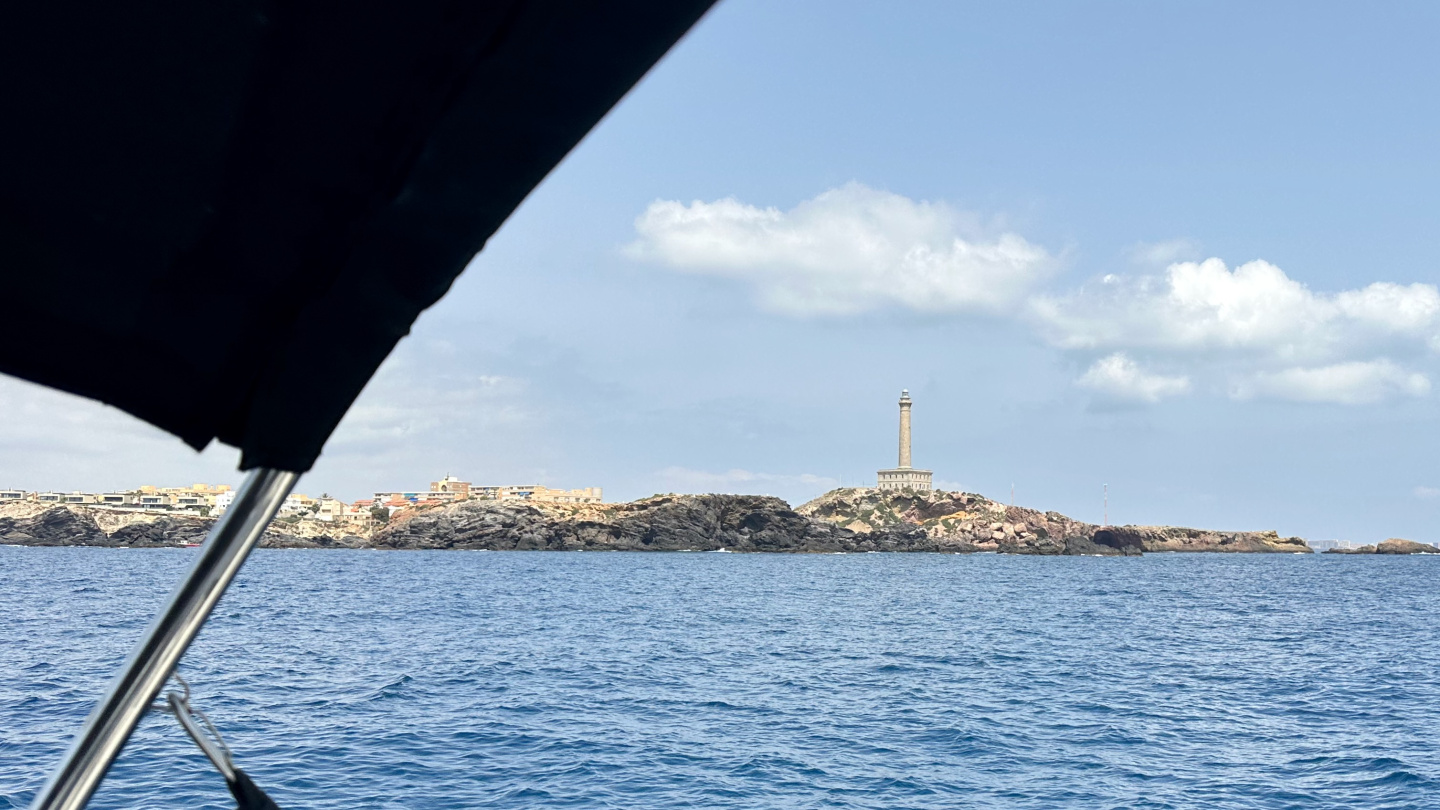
(904,476)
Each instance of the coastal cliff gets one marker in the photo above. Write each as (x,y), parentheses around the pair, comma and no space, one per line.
(661,523)
(28,524)
(962,519)
(844,520)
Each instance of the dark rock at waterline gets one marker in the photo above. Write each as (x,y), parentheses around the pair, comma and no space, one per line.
(163,531)
(1396,545)
(56,526)
(275,537)
(1133,539)
(1125,541)
(748,523)
(847,520)
(854,520)
(68,525)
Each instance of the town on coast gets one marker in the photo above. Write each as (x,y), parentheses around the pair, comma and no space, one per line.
(211,500)
(902,512)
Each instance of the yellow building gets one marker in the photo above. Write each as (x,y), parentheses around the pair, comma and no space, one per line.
(451,486)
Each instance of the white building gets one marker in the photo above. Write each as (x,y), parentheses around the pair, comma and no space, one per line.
(539,494)
(153,500)
(296,502)
(330,510)
(191,501)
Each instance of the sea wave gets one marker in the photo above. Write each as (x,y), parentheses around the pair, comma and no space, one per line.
(518,680)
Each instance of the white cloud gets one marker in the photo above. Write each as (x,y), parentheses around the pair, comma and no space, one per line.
(1252,330)
(54,440)
(1354,383)
(682,479)
(403,406)
(1162,254)
(1427,493)
(848,250)
(1254,310)
(1119,377)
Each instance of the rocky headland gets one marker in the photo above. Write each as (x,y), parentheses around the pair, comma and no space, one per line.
(28,524)
(844,520)
(963,521)
(1394,545)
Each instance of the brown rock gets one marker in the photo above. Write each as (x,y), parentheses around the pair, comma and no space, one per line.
(1396,545)
(661,523)
(1177,538)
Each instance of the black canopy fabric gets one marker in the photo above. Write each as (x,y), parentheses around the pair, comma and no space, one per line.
(221,216)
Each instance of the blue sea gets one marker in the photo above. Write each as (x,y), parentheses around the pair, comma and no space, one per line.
(368,679)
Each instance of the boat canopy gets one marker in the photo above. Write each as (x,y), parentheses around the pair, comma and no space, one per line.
(221,216)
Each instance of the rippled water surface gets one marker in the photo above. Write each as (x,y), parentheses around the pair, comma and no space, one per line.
(361,679)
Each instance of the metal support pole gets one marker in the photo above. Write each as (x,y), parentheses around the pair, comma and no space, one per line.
(154,659)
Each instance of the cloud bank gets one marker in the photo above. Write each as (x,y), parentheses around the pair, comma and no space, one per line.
(1255,310)
(1354,383)
(1257,332)
(1248,333)
(849,250)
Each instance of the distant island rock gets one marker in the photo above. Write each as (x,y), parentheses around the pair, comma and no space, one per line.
(964,521)
(658,523)
(843,520)
(1394,545)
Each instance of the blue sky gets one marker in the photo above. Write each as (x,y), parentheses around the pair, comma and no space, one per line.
(1183,249)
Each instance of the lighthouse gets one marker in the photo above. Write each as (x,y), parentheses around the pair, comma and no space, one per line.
(904,476)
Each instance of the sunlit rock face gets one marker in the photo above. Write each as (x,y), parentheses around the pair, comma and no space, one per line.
(843,520)
(962,521)
(1394,545)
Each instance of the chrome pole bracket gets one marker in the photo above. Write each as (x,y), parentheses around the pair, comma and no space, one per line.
(150,664)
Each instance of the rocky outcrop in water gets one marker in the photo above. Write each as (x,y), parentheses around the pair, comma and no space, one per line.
(965,519)
(844,520)
(1175,538)
(1394,545)
(35,525)
(162,531)
(56,526)
(960,521)
(660,523)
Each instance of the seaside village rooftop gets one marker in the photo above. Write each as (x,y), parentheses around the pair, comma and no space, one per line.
(211,500)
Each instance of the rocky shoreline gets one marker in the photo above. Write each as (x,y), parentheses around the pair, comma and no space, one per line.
(962,519)
(1394,545)
(29,525)
(844,520)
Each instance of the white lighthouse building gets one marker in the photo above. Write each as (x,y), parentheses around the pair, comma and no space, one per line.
(904,476)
